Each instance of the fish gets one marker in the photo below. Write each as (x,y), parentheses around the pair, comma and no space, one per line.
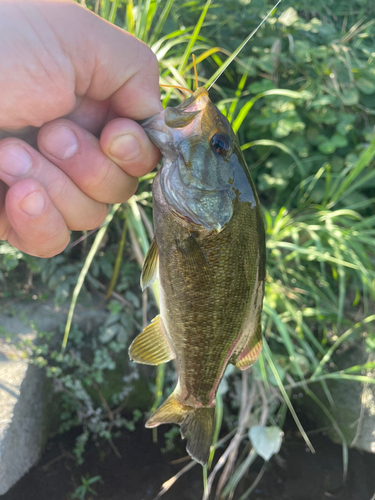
(209,255)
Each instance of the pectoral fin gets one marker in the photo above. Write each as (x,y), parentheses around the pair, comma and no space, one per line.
(151,347)
(193,255)
(251,352)
(150,265)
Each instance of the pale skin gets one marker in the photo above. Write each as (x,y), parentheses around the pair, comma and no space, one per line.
(71,88)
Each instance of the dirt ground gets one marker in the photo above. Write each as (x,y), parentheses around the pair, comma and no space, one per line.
(295,474)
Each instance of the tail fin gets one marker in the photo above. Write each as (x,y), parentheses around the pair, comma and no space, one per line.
(198,427)
(197,424)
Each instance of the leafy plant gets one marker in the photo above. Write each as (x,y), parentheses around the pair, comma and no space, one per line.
(82,490)
(92,381)
(301,97)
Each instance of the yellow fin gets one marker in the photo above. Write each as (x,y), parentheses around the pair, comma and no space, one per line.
(251,352)
(151,347)
(150,265)
(170,412)
(197,425)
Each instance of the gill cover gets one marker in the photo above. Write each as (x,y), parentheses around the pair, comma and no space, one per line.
(199,180)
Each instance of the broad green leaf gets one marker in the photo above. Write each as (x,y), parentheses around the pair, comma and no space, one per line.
(266,440)
(339,140)
(327,147)
(350,97)
(366,85)
(288,17)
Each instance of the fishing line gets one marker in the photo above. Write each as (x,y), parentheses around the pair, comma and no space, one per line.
(238,50)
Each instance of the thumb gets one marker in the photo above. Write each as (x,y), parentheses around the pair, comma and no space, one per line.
(110,63)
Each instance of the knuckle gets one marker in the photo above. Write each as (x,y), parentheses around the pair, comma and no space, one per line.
(152,61)
(52,245)
(4,232)
(59,188)
(154,64)
(99,219)
(55,104)
(99,176)
(91,221)
(11,141)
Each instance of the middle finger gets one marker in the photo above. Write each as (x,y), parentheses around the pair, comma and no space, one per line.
(18,160)
(110,178)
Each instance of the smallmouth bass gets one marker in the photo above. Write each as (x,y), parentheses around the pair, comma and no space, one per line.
(209,255)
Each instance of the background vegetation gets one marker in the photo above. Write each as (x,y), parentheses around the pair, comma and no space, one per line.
(301,97)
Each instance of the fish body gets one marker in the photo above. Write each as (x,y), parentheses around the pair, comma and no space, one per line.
(209,255)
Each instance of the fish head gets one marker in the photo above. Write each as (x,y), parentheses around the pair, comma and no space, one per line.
(204,173)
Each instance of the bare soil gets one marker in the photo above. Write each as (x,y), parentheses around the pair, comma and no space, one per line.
(295,474)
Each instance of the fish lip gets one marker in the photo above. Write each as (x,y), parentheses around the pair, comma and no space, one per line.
(200,91)
(195,98)
(143,123)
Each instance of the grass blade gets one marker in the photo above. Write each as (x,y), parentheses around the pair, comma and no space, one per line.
(269,142)
(326,358)
(113,12)
(161,21)
(118,261)
(363,161)
(86,266)
(218,421)
(247,107)
(268,356)
(193,38)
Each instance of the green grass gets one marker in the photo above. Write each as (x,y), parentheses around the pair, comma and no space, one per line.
(316,178)
(320,255)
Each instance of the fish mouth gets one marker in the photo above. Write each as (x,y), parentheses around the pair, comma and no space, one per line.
(199,198)
(173,125)
(197,101)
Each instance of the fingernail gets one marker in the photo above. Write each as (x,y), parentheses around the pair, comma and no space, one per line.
(15,160)
(33,204)
(125,147)
(61,142)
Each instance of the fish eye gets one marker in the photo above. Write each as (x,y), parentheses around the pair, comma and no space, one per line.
(220,144)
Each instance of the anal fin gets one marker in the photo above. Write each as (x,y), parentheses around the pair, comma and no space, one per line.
(151,347)
(251,352)
(150,265)
(170,412)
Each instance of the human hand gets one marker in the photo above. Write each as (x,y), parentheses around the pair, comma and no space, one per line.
(67,76)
